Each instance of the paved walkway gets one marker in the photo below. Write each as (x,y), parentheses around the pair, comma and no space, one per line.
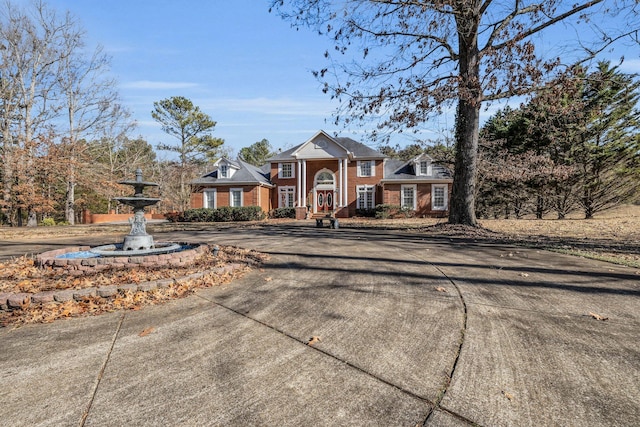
(412,331)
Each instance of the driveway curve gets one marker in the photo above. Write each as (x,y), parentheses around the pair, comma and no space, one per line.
(347,327)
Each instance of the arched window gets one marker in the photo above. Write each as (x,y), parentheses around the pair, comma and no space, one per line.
(325,178)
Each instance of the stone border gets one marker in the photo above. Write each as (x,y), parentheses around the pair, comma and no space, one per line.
(81,266)
(11,301)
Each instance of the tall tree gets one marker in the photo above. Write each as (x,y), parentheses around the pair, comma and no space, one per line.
(574,144)
(416,57)
(90,104)
(257,153)
(608,147)
(31,42)
(192,128)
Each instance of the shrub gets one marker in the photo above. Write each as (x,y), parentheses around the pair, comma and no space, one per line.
(222,214)
(48,222)
(393,211)
(369,213)
(175,216)
(283,213)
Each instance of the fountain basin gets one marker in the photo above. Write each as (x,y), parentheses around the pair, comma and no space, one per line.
(119,249)
(137,202)
(80,260)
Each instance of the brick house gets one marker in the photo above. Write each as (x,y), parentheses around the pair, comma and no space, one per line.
(327,176)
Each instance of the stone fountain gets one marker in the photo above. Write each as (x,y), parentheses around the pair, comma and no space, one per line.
(138,241)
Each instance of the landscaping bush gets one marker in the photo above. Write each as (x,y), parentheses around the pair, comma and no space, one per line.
(369,213)
(222,214)
(48,222)
(283,213)
(174,216)
(393,211)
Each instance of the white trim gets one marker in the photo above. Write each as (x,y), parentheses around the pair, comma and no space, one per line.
(224,170)
(303,186)
(293,170)
(365,189)
(372,168)
(206,194)
(231,190)
(286,190)
(414,187)
(419,167)
(445,189)
(345,193)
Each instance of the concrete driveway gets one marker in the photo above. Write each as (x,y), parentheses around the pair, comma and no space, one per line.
(407,331)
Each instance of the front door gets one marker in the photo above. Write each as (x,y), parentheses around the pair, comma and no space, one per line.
(324,200)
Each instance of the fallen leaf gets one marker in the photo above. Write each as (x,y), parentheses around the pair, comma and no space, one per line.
(314,339)
(441,289)
(524,274)
(598,316)
(268,279)
(146,331)
(507,395)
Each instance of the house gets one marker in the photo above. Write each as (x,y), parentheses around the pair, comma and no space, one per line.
(327,175)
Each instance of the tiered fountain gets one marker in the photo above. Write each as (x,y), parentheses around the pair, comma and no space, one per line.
(137,249)
(137,242)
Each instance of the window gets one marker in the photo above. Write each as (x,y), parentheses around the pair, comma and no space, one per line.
(224,171)
(408,197)
(286,197)
(366,168)
(286,170)
(366,197)
(324,178)
(235,197)
(438,197)
(209,198)
(425,168)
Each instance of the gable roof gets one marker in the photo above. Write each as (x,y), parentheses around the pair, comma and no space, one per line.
(247,174)
(399,170)
(353,149)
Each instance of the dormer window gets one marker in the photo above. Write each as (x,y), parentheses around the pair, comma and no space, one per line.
(425,168)
(224,171)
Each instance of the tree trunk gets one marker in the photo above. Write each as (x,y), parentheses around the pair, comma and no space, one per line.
(463,194)
(463,210)
(69,212)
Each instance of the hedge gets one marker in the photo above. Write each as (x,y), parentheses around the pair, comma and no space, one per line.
(222,214)
(283,213)
(393,211)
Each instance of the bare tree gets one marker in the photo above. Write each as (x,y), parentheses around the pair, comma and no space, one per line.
(46,75)
(415,58)
(90,104)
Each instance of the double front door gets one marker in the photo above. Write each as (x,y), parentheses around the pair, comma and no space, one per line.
(324,200)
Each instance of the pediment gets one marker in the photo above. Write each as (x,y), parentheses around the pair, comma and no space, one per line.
(321,146)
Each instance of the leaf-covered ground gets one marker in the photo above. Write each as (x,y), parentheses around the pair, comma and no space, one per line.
(22,276)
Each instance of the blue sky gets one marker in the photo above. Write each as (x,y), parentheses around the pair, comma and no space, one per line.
(245,67)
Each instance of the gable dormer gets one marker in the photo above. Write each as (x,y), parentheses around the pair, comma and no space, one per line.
(423,165)
(225,168)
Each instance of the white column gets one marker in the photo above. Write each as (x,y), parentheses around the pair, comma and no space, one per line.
(340,180)
(304,183)
(345,199)
(299,182)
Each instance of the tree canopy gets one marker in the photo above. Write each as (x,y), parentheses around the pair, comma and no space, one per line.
(397,62)
(192,128)
(257,153)
(562,153)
